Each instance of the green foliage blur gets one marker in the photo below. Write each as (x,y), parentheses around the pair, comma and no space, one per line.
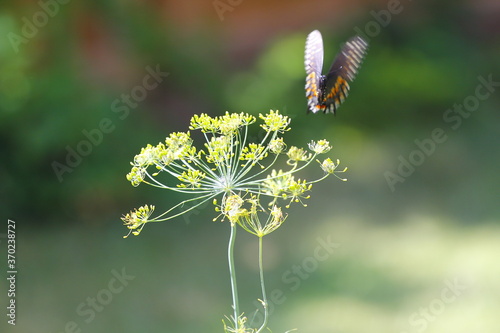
(67,83)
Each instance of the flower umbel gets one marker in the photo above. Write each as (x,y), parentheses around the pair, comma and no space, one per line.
(252,224)
(230,164)
(320,147)
(136,219)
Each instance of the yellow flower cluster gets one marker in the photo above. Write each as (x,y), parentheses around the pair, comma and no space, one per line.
(225,167)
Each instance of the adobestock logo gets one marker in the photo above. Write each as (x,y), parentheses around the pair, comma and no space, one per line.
(31,27)
(89,310)
(120,106)
(425,315)
(293,277)
(222,6)
(454,117)
(382,19)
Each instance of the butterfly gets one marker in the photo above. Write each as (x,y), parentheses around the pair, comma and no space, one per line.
(326,92)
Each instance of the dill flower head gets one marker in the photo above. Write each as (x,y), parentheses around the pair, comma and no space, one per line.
(232,165)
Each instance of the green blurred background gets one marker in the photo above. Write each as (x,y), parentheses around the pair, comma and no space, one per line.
(418,256)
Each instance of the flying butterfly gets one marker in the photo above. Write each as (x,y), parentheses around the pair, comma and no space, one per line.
(326,92)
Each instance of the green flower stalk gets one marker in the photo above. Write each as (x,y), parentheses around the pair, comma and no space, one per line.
(236,174)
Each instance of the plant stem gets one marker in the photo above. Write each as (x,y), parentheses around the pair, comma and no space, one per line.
(263,287)
(232,273)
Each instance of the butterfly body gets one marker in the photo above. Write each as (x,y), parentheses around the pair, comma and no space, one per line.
(326,92)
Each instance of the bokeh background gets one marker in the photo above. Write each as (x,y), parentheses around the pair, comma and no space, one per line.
(418,256)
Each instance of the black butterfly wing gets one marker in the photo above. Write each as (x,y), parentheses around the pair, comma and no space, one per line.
(314,64)
(343,70)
